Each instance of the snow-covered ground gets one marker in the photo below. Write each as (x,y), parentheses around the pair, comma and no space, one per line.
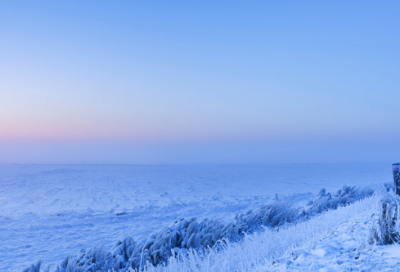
(343,247)
(51,211)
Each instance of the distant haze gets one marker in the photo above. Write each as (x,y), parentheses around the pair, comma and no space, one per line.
(167,82)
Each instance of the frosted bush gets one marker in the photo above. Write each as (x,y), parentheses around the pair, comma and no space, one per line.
(325,201)
(34,267)
(386,227)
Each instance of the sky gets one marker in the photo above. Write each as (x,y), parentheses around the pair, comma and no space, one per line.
(171,82)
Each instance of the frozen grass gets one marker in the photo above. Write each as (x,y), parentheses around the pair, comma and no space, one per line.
(36,268)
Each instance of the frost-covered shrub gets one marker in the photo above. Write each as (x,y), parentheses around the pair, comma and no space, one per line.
(34,267)
(325,201)
(389,186)
(184,237)
(276,214)
(386,227)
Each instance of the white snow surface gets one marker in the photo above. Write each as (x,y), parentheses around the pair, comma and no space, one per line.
(51,211)
(342,247)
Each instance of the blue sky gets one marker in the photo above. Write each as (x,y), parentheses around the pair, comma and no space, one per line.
(199,81)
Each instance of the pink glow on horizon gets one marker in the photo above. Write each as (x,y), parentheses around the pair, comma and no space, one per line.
(26,130)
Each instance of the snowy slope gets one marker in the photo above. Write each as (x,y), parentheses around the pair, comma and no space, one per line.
(337,240)
(50,211)
(308,246)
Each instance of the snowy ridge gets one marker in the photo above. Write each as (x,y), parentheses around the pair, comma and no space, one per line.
(189,237)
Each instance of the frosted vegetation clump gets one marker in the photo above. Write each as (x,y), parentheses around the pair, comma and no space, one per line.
(325,201)
(183,238)
(386,224)
(36,268)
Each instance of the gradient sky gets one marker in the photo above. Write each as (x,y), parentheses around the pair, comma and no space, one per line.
(150,82)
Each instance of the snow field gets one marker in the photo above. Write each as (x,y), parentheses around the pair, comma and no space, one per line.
(51,211)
